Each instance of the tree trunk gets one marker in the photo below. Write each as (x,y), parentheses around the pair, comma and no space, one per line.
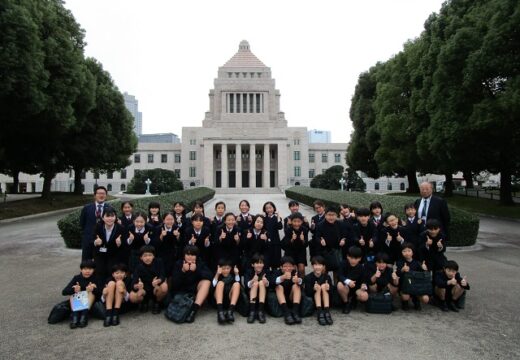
(468,176)
(78,187)
(47,182)
(448,185)
(506,196)
(16,182)
(413,185)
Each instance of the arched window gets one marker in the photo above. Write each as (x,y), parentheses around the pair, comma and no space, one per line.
(123,187)
(109,187)
(192,183)
(403,187)
(376,186)
(389,186)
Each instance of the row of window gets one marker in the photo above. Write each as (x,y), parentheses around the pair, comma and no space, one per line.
(244,74)
(164,158)
(122,173)
(244,103)
(389,186)
(324,157)
(245,154)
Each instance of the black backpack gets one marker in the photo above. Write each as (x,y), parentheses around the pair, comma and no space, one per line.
(179,308)
(379,303)
(417,283)
(60,312)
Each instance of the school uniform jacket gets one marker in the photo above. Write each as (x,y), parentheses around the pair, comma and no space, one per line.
(170,247)
(381,282)
(113,252)
(188,281)
(228,246)
(243,222)
(368,232)
(414,227)
(305,223)
(255,244)
(250,274)
(352,273)
(331,233)
(392,247)
(139,241)
(83,283)
(297,246)
(148,272)
(199,240)
(311,279)
(441,280)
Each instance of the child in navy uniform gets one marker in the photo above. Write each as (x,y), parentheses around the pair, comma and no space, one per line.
(139,235)
(413,224)
(288,289)
(109,244)
(199,235)
(168,243)
(408,263)
(257,283)
(381,277)
(154,214)
(294,207)
(329,235)
(218,219)
(127,218)
(244,218)
(316,220)
(392,237)
(376,212)
(365,235)
(296,240)
(433,246)
(255,241)
(273,224)
(116,294)
(227,245)
(352,279)
(318,286)
(450,287)
(227,290)
(85,281)
(149,281)
(192,276)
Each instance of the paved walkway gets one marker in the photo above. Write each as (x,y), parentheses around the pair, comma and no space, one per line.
(35,266)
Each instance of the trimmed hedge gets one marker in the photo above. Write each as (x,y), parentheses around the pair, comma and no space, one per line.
(463,228)
(71,231)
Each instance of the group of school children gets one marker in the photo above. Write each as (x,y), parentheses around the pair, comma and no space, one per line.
(142,258)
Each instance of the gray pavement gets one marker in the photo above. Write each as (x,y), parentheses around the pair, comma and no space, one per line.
(35,266)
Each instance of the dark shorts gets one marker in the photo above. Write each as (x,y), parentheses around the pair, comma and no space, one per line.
(299,257)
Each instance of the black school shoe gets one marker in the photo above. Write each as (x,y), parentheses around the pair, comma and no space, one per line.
(156,308)
(108,321)
(321,318)
(452,306)
(74,320)
(115,320)
(143,306)
(296,317)
(230,317)
(191,316)
(416,304)
(347,307)
(252,317)
(405,305)
(328,318)
(221,317)
(261,317)
(288,318)
(443,306)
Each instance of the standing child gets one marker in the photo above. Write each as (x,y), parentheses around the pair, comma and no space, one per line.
(255,241)
(408,263)
(316,220)
(198,208)
(433,246)
(273,224)
(115,294)
(318,286)
(296,240)
(227,245)
(413,224)
(139,234)
(127,217)
(218,219)
(169,242)
(227,290)
(199,235)
(330,240)
(450,287)
(84,281)
(392,237)
(288,289)
(149,281)
(294,207)
(365,234)
(179,209)
(109,244)
(244,218)
(154,214)
(376,211)
(257,283)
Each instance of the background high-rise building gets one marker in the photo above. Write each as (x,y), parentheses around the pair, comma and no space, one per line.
(319,136)
(131,104)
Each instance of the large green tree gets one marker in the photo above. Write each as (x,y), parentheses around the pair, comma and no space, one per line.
(163,181)
(329,179)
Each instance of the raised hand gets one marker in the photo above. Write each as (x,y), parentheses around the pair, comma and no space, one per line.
(399,237)
(236,271)
(429,241)
(388,236)
(77,287)
(326,286)
(295,279)
(249,234)
(98,241)
(342,242)
(155,281)
(424,266)
(206,241)
(91,287)
(352,284)
(405,267)
(192,240)
(361,241)
(316,286)
(222,235)
(464,282)
(371,243)
(118,241)
(302,236)
(323,242)
(378,273)
(294,236)
(185,267)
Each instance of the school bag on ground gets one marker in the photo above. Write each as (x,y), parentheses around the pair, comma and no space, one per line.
(306,306)
(243,303)
(379,303)
(60,312)
(273,307)
(179,308)
(417,283)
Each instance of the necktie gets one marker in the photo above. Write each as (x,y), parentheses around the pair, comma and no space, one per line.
(98,211)
(423,213)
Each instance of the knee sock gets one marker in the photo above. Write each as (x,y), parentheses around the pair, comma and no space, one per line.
(220,307)
(285,309)
(109,312)
(115,311)
(195,307)
(231,308)
(261,306)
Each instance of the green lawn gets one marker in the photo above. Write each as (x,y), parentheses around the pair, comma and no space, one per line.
(58,201)
(478,205)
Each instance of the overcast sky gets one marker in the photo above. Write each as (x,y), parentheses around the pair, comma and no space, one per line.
(167,53)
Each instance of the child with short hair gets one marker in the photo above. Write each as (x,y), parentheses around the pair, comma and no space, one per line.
(192,276)
(413,224)
(296,240)
(450,287)
(288,289)
(433,246)
(381,277)
(244,218)
(141,233)
(318,286)
(149,281)
(218,219)
(227,290)
(376,211)
(392,236)
(115,294)
(331,239)
(255,241)
(87,281)
(228,243)
(294,207)
(352,280)
(316,220)
(365,234)
(199,235)
(406,264)
(257,283)
(154,214)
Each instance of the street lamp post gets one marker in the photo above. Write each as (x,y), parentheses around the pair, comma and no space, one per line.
(148,182)
(71,181)
(342,183)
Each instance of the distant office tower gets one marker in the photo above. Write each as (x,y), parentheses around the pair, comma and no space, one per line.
(319,136)
(166,138)
(131,104)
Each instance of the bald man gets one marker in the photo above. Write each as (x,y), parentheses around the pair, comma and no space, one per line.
(430,206)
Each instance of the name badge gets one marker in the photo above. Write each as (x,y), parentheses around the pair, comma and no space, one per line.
(102,249)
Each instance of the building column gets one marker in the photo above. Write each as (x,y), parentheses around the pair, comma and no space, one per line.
(282,164)
(224,167)
(238,165)
(252,166)
(208,165)
(266,168)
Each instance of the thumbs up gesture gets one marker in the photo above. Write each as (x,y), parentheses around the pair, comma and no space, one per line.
(139,285)
(424,266)
(192,240)
(388,236)
(429,241)
(361,241)
(378,273)
(326,286)
(222,235)
(118,241)
(91,287)
(98,241)
(130,237)
(316,286)
(206,241)
(323,242)
(293,237)
(464,282)
(302,236)
(439,245)
(263,236)
(295,279)
(405,267)
(237,238)
(452,281)
(163,233)
(155,281)
(249,234)
(146,238)
(352,284)
(394,275)
(342,242)
(371,243)
(399,237)
(176,233)
(77,287)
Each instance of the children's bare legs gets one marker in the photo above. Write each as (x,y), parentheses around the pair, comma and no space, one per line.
(137,297)
(441,293)
(253,291)
(362,295)
(261,292)
(109,294)
(160,291)
(325,296)
(202,291)
(343,291)
(234,293)
(120,291)
(457,292)
(301,270)
(317,297)
(219,293)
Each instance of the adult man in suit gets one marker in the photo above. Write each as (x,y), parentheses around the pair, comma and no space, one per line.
(91,214)
(432,207)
